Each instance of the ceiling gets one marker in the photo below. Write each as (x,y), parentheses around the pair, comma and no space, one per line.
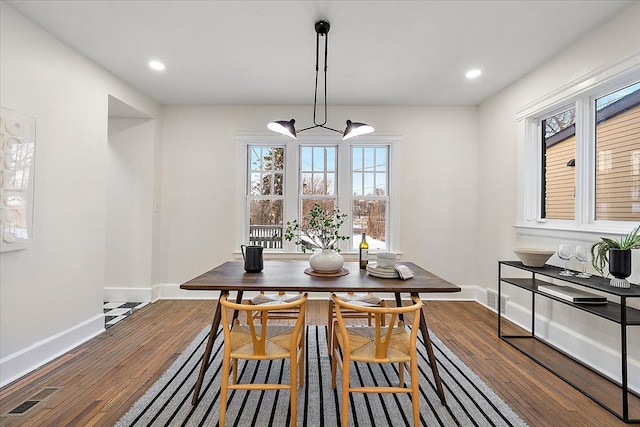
(263,52)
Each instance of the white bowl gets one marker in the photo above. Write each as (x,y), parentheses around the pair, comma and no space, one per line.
(386,259)
(533,257)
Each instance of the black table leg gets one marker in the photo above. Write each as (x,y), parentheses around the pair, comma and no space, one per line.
(235,312)
(432,358)
(215,324)
(399,304)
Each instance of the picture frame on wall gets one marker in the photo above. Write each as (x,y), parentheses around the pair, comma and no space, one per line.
(17,157)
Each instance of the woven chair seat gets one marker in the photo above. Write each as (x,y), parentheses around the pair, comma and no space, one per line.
(363,344)
(277,342)
(274,298)
(365,299)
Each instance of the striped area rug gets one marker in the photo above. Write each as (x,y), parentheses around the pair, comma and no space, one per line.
(470,402)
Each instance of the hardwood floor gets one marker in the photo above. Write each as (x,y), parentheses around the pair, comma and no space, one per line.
(98,381)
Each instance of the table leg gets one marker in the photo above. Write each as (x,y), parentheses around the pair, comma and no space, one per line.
(432,358)
(399,304)
(235,312)
(215,324)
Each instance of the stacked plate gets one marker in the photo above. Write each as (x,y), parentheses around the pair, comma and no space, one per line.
(382,272)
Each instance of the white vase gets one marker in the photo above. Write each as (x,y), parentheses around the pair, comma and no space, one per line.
(327,261)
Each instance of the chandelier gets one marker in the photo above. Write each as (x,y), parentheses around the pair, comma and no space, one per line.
(287,127)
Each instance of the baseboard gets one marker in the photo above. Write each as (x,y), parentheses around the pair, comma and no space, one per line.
(128,294)
(44,351)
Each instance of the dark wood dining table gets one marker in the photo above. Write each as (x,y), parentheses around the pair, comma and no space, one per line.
(291,276)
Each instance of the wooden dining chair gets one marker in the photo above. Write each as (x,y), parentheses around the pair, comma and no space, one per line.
(377,344)
(262,342)
(365,299)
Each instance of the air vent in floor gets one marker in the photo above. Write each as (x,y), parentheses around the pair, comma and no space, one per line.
(33,401)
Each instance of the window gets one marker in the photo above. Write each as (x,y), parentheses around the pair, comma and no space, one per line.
(558,165)
(318,172)
(266,195)
(617,145)
(582,154)
(283,181)
(369,195)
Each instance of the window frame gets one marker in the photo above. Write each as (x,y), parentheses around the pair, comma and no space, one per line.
(582,94)
(386,197)
(292,185)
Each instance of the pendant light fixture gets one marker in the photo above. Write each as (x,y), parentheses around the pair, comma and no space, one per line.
(288,127)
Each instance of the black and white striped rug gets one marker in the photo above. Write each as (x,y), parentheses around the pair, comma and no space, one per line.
(470,402)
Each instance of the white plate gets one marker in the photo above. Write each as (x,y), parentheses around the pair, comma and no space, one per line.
(391,275)
(381,270)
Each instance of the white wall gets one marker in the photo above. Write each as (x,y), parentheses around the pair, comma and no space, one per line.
(437,169)
(51,294)
(498,192)
(130,209)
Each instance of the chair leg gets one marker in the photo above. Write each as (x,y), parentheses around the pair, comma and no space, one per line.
(301,361)
(415,392)
(293,389)
(401,374)
(224,385)
(235,371)
(330,328)
(345,393)
(334,362)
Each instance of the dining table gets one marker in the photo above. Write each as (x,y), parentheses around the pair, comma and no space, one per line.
(297,277)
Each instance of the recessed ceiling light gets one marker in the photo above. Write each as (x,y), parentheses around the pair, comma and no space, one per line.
(472,74)
(156,65)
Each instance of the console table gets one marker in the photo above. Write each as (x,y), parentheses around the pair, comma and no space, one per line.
(610,394)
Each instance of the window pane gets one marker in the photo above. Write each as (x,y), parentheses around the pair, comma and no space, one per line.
(255,186)
(331,159)
(558,174)
(265,223)
(331,179)
(277,158)
(316,163)
(369,216)
(318,159)
(381,184)
(368,171)
(326,204)
(266,166)
(305,158)
(381,159)
(368,184)
(357,184)
(307,204)
(278,185)
(618,155)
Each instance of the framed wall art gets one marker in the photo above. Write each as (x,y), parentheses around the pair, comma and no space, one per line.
(17,155)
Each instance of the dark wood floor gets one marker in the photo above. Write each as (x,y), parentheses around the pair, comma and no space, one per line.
(102,378)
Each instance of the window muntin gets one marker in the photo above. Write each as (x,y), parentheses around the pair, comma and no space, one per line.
(370,198)
(318,171)
(617,148)
(266,195)
(558,165)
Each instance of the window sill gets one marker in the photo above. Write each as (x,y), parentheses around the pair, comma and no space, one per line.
(587,233)
(299,256)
